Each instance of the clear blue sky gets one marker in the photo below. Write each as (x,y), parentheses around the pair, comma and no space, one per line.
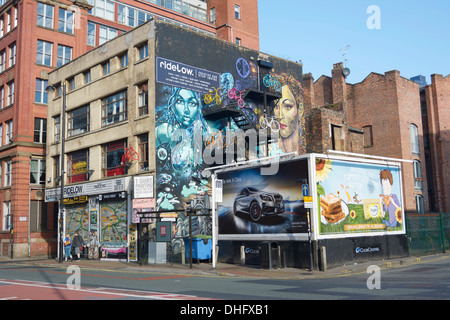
(414,36)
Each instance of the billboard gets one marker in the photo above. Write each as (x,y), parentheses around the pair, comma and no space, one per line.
(255,204)
(358,198)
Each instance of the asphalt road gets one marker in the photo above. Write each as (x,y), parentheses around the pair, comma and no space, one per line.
(20,281)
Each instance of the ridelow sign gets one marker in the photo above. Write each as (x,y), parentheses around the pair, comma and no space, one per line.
(184,76)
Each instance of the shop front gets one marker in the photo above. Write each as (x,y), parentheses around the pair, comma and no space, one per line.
(98,211)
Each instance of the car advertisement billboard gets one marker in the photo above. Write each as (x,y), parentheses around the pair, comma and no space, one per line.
(255,204)
(358,197)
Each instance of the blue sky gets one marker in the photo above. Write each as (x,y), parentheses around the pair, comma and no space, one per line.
(414,36)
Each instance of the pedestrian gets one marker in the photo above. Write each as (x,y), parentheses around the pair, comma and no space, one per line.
(77,244)
(67,247)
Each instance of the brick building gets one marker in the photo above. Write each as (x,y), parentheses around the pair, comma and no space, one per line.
(435,102)
(39,36)
(379,116)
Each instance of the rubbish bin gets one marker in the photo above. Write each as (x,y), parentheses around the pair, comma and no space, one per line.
(201,248)
(268,255)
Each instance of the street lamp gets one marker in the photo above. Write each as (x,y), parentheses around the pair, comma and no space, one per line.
(61,215)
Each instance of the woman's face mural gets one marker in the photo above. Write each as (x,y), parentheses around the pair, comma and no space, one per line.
(287,113)
(186,107)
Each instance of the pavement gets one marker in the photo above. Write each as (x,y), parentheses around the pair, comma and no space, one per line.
(231,270)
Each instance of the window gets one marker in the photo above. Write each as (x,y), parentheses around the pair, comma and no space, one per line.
(368,137)
(2,97)
(87,76)
(114,108)
(2,60)
(419,204)
(91,34)
(106,66)
(103,9)
(237,11)
(64,55)
(1,134)
(143,51)
(106,34)
(10,97)
(238,41)
(40,130)
(8,21)
(417,175)
(130,16)
(1,27)
(414,132)
(44,15)
(38,216)
(37,171)
(337,138)
(6,216)
(112,158)
(143,99)
(40,95)
(65,21)
(56,170)
(57,122)
(212,15)
(12,55)
(71,83)
(9,132)
(143,152)
(15,15)
(44,53)
(8,173)
(124,60)
(78,121)
(78,166)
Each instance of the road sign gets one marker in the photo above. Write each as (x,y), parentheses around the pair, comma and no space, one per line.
(308,202)
(305,189)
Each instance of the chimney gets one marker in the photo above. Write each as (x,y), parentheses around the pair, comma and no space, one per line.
(339,85)
(308,91)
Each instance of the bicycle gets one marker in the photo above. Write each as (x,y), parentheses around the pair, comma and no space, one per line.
(209,97)
(219,140)
(233,96)
(272,82)
(269,122)
(129,155)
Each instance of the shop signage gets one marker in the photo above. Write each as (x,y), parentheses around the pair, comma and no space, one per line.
(184,76)
(367,250)
(143,187)
(143,203)
(86,189)
(74,200)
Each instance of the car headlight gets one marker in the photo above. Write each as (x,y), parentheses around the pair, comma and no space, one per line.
(266,197)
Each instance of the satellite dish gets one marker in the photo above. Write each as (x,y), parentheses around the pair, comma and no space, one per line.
(346,72)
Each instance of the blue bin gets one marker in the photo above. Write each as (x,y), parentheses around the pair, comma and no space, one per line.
(201,248)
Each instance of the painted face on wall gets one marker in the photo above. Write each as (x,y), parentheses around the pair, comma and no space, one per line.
(186,107)
(287,112)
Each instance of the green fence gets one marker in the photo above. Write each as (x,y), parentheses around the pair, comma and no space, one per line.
(428,233)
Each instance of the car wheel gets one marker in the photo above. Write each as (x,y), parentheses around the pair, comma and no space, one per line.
(255,211)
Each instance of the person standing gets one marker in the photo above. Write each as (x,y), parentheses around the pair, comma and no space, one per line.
(77,244)
(67,247)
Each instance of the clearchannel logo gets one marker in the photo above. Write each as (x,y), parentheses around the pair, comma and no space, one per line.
(366,250)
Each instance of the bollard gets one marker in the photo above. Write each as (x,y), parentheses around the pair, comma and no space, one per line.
(242,255)
(323,258)
(183,254)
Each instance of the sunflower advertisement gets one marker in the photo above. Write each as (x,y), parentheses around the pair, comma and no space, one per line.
(356,197)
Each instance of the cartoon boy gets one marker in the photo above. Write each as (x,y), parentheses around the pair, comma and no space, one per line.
(390,202)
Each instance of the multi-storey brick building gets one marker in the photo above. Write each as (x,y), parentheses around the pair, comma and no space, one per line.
(39,36)
(384,113)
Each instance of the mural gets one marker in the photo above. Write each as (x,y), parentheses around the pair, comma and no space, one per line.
(187,141)
(358,197)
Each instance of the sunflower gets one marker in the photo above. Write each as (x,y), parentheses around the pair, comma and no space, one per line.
(353,214)
(323,167)
(398,214)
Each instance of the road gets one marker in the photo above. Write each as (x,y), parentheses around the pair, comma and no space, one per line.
(20,281)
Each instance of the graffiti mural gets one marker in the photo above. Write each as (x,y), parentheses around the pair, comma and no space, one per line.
(206,92)
(113,222)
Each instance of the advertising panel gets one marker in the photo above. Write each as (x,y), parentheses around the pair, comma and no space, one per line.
(358,198)
(256,204)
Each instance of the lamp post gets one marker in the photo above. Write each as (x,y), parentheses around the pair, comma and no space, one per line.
(61,213)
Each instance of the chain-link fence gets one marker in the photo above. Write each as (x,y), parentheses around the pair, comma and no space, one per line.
(428,233)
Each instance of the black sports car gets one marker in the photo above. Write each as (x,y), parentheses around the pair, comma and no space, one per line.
(258,203)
